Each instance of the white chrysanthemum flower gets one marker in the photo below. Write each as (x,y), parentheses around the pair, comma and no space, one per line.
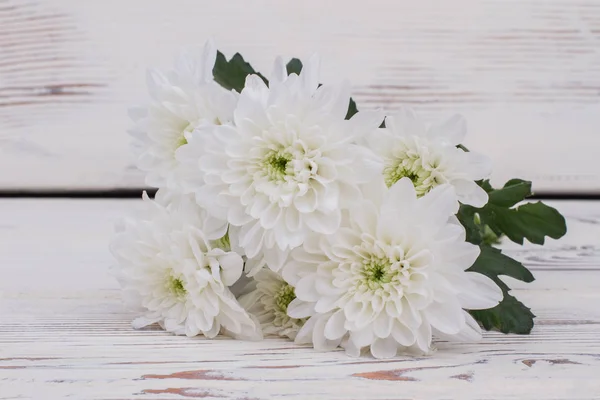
(428,156)
(288,166)
(268,302)
(181,101)
(391,277)
(172,270)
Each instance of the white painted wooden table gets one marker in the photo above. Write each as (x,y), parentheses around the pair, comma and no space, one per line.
(65,334)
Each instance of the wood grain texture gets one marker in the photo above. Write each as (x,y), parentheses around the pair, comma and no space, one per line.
(526,74)
(64,333)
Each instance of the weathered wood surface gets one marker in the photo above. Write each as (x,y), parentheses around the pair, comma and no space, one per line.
(526,73)
(64,333)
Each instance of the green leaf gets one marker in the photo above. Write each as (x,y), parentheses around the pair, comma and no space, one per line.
(510,315)
(485,185)
(531,221)
(466,216)
(462,147)
(294,66)
(514,191)
(351,109)
(232,74)
(491,262)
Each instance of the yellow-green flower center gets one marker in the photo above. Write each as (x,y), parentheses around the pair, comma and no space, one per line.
(182,141)
(275,165)
(284,296)
(423,179)
(176,287)
(186,129)
(223,242)
(376,273)
(393,173)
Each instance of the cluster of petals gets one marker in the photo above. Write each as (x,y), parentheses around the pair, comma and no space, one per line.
(391,277)
(340,232)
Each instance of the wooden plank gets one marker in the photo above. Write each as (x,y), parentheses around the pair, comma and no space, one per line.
(526,73)
(64,332)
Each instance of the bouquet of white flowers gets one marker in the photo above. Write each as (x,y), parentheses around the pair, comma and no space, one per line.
(283,210)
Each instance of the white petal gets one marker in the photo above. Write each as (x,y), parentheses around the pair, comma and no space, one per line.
(472,330)
(307,203)
(462,254)
(405,123)
(327,302)
(305,289)
(231,267)
(470,193)
(309,76)
(401,195)
(325,223)
(334,329)
(305,334)
(294,270)
(384,348)
(320,342)
(367,121)
(275,258)
(142,322)
(365,216)
(403,334)
(446,317)
(424,337)
(237,216)
(362,337)
(351,349)
(409,316)
(382,326)
(213,331)
(300,309)
(451,131)
(470,333)
(292,219)
(279,73)
(481,293)
(441,202)
(209,56)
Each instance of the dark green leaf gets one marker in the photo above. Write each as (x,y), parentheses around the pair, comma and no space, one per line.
(232,74)
(294,66)
(514,191)
(510,315)
(466,216)
(491,262)
(463,148)
(351,109)
(533,221)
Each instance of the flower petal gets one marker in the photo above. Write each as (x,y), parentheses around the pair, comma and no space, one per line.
(334,329)
(384,348)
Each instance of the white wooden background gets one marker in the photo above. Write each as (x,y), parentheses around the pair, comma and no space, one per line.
(65,334)
(526,73)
